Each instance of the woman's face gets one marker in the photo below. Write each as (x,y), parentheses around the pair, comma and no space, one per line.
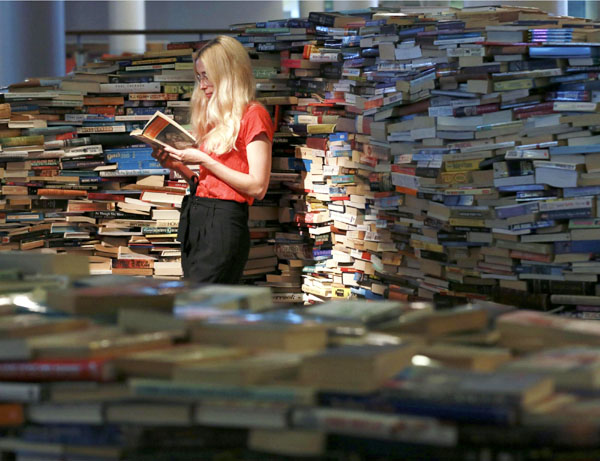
(202,79)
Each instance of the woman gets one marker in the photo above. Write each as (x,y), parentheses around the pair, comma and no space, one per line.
(234,136)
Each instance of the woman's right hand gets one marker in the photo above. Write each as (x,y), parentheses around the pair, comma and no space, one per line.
(165,159)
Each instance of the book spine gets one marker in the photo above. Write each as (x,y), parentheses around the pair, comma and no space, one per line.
(403,428)
(65,370)
(135,172)
(133,264)
(21,392)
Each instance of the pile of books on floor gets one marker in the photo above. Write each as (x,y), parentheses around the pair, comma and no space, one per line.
(73,180)
(111,368)
(448,153)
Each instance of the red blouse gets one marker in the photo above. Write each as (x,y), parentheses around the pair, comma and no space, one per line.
(256,120)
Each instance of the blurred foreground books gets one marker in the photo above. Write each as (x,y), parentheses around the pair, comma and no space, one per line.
(99,371)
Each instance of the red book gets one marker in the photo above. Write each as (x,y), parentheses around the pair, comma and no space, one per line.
(58,370)
(525,115)
(534,107)
(70,135)
(133,263)
(508,49)
(476,110)
(39,168)
(414,108)
(105,196)
(109,111)
(382,194)
(317,143)
(63,192)
(404,169)
(406,190)
(530,256)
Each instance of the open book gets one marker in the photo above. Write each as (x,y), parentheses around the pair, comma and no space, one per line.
(163,131)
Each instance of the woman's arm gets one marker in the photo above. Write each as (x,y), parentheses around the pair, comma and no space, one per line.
(254,183)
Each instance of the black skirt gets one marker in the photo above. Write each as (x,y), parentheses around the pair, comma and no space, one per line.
(215,239)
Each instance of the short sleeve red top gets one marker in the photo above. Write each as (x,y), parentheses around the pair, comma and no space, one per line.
(256,120)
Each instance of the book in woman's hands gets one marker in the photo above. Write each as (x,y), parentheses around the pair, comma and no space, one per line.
(161,131)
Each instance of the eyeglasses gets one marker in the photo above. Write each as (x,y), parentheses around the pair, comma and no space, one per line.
(203,79)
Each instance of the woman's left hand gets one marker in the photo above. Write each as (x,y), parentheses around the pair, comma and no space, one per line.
(189,155)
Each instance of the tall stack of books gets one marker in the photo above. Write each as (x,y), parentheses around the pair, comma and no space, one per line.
(455,150)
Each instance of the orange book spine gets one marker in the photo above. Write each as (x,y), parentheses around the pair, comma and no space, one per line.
(11,414)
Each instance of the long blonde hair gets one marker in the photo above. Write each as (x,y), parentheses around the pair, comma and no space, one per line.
(215,121)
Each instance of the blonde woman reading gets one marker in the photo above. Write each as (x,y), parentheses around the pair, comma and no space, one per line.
(234,135)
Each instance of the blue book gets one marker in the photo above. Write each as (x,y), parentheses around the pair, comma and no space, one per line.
(568,150)
(447,410)
(562,51)
(340,136)
(144,110)
(112,155)
(24,107)
(74,434)
(577,246)
(112,158)
(51,130)
(567,214)
(532,225)
(137,164)
(135,172)
(581,191)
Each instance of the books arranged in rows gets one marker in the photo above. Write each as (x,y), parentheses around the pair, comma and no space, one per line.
(437,154)
(344,378)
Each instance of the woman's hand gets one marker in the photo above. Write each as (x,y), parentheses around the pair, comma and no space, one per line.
(189,155)
(166,160)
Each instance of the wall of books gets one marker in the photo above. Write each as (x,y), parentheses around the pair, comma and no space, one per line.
(440,155)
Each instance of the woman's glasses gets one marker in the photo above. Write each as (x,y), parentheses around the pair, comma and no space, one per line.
(203,79)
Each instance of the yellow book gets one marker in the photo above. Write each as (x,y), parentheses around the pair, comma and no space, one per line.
(184,66)
(178,88)
(321,128)
(509,85)
(467,222)
(22,141)
(456,177)
(462,165)
(166,53)
(435,247)
(153,61)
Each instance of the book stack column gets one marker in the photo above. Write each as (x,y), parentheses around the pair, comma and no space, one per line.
(458,153)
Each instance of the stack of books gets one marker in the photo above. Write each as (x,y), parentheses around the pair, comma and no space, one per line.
(74,180)
(454,153)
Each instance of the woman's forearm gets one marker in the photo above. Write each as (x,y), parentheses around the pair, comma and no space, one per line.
(187,174)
